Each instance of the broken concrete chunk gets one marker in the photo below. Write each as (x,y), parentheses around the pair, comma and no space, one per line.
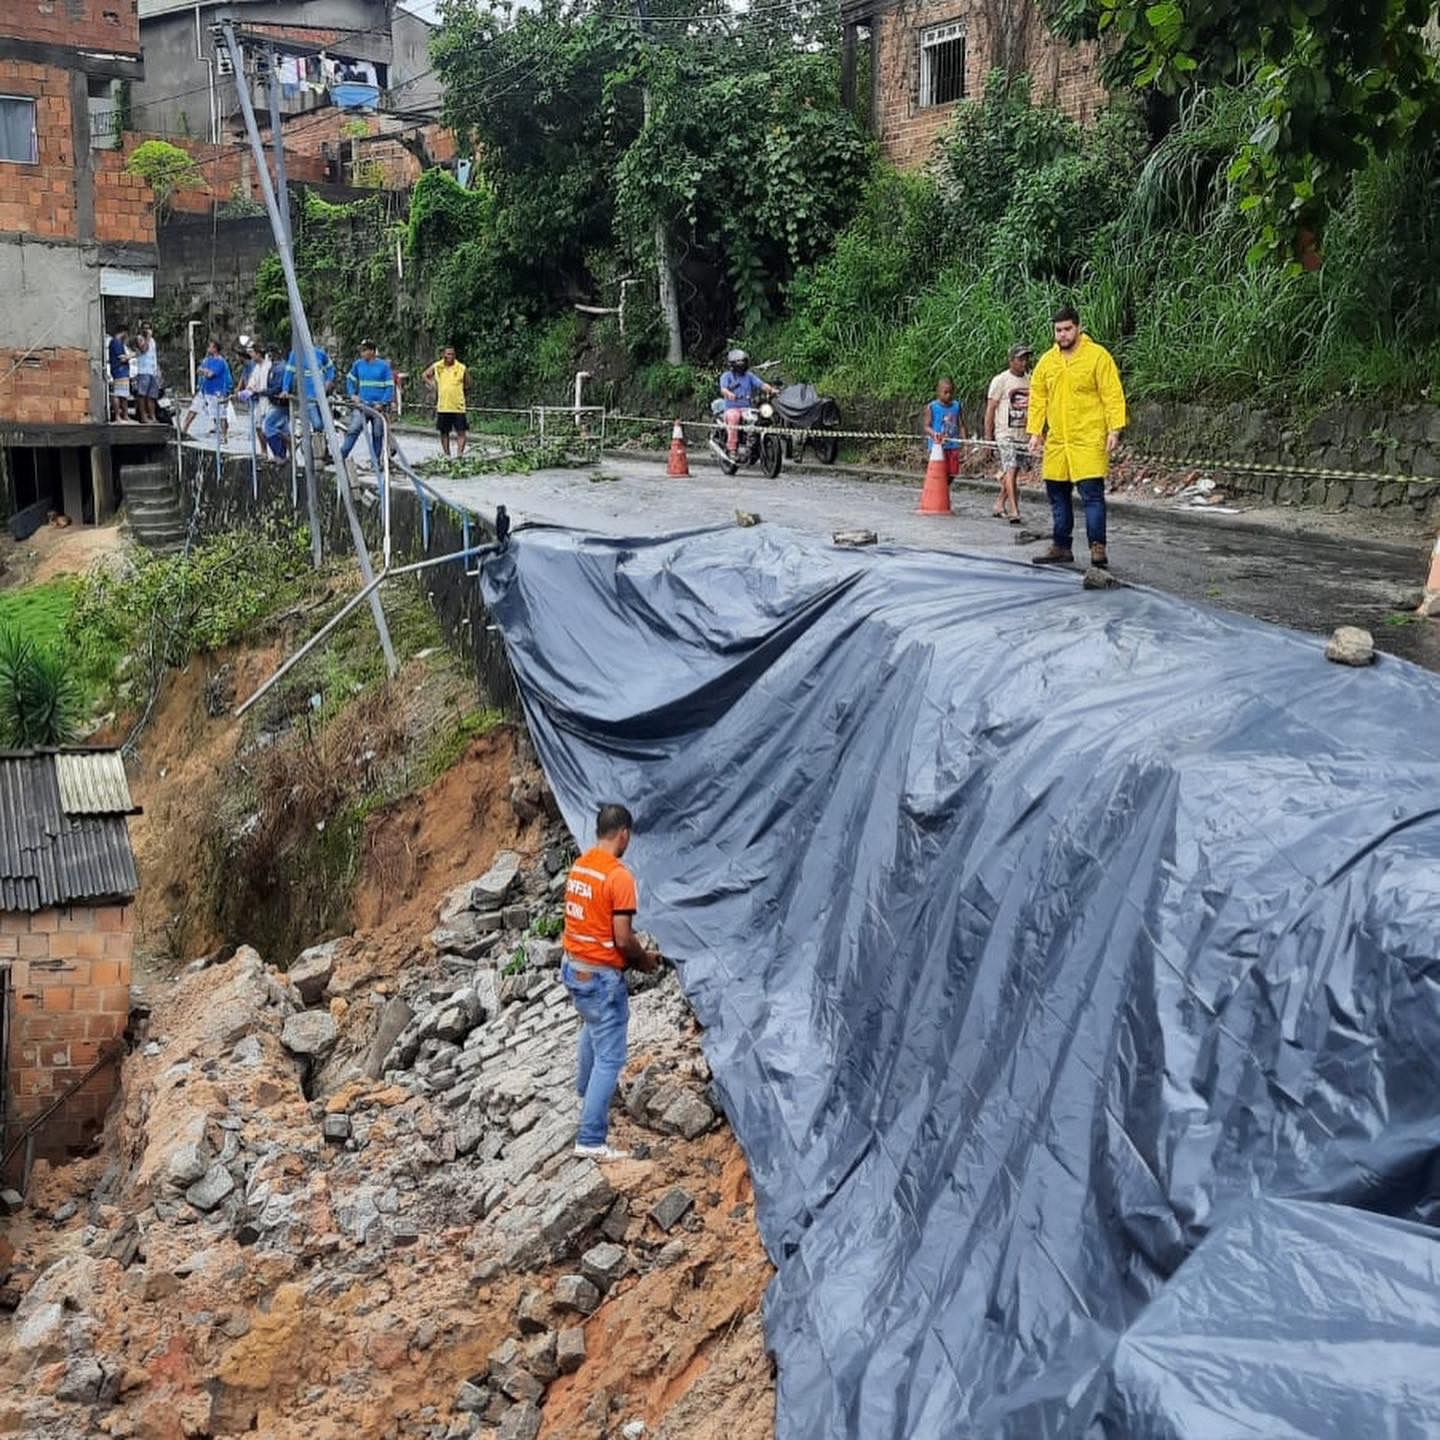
(688,1115)
(1098,579)
(540,1357)
(746,518)
(248,1051)
(453,1022)
(465,937)
(336,1128)
(187,1164)
(1350,645)
(604,1264)
(521,1422)
(311,971)
(570,1349)
(11,1202)
(855,538)
(310,1032)
(213,1187)
(520,1384)
(671,1209)
(516,917)
(532,1315)
(671,1253)
(393,1019)
(493,888)
(471,1399)
(575,1292)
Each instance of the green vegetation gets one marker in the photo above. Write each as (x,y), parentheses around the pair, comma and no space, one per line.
(39,612)
(522,457)
(166,168)
(41,702)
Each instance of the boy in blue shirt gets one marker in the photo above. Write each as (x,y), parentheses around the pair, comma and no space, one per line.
(945,423)
(212,392)
(372,380)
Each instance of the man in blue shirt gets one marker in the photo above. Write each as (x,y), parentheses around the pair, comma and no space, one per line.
(372,380)
(212,392)
(293,367)
(742,389)
(119,361)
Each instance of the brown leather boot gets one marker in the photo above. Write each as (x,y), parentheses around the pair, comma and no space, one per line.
(1098,558)
(1053,556)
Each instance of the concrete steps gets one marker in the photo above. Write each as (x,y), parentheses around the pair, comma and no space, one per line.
(152,506)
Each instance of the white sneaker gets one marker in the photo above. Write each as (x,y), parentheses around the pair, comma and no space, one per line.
(601,1152)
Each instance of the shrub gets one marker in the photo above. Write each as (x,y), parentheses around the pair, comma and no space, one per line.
(40,698)
(166,168)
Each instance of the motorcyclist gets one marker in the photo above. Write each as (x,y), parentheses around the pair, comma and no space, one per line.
(741,390)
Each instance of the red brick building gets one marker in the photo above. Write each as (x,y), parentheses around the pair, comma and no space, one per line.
(67,879)
(926,57)
(74,230)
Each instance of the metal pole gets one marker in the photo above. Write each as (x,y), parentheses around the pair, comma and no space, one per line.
(312,364)
(385,488)
(348,607)
(254,462)
(298,431)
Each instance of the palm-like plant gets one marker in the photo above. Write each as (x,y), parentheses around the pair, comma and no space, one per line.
(40,700)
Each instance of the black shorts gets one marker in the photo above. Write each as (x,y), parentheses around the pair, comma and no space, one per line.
(451,421)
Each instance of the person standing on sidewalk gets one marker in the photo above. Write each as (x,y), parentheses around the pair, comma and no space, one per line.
(599,941)
(372,380)
(447,377)
(1007,403)
(1076,414)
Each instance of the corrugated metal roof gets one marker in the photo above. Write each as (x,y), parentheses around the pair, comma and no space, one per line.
(92,782)
(48,857)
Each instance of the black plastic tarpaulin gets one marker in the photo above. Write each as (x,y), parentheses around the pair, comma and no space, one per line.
(1068,962)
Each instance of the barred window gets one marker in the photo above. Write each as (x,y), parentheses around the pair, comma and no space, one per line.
(942,64)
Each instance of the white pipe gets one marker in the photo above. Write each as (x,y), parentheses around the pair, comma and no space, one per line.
(190,332)
(581,376)
(209,65)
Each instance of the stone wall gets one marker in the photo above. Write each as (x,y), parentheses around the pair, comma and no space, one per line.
(1398,442)
(907,130)
(70,994)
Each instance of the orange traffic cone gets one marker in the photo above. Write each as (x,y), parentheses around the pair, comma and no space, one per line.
(1430,605)
(935,497)
(679,465)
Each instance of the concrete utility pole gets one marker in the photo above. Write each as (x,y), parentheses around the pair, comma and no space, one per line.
(280,229)
(300,421)
(664,263)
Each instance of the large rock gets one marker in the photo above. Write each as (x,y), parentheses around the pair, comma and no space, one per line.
(311,1033)
(211,1189)
(1350,645)
(393,1019)
(521,1422)
(493,888)
(311,972)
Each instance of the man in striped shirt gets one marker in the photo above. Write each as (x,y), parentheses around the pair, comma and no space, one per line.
(600,940)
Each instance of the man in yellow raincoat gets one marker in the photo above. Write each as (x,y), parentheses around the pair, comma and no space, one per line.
(1077,411)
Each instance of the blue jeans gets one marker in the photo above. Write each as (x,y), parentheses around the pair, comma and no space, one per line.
(604,1005)
(1062,510)
(358,421)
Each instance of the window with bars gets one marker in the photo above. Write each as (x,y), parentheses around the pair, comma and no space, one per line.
(942,64)
(18,141)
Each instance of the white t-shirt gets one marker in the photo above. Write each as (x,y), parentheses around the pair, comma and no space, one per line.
(1012,391)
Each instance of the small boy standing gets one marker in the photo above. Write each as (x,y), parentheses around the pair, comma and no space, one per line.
(945,425)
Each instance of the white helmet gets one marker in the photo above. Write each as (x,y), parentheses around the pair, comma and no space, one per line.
(738,359)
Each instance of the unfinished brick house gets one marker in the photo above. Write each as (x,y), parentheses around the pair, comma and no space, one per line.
(926,57)
(67,880)
(75,230)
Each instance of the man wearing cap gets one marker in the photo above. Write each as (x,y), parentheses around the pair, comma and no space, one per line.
(373,381)
(1006,410)
(1076,414)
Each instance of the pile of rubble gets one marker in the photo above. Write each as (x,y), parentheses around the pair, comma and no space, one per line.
(342,1200)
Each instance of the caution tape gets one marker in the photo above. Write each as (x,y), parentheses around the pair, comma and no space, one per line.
(1179,462)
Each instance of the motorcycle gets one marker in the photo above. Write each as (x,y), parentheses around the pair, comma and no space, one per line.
(759,444)
(802,407)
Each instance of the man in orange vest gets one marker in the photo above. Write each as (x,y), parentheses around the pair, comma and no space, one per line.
(600,905)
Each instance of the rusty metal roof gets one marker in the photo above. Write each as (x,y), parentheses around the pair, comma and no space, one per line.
(51,854)
(92,782)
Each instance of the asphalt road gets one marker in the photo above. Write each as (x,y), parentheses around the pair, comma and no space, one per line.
(1286,576)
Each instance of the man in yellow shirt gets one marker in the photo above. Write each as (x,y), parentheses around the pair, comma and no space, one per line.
(447,378)
(1077,411)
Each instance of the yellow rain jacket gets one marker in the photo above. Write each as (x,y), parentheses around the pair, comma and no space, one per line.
(1080,400)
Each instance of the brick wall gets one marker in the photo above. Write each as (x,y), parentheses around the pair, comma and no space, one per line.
(39,199)
(395,168)
(70,993)
(226,171)
(907,131)
(89,24)
(45,387)
(124,204)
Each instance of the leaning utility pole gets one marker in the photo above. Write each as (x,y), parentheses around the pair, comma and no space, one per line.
(280,229)
(664,264)
(300,420)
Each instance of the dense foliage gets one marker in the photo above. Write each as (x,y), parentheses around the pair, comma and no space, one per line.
(41,702)
(943,273)
(1336,84)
